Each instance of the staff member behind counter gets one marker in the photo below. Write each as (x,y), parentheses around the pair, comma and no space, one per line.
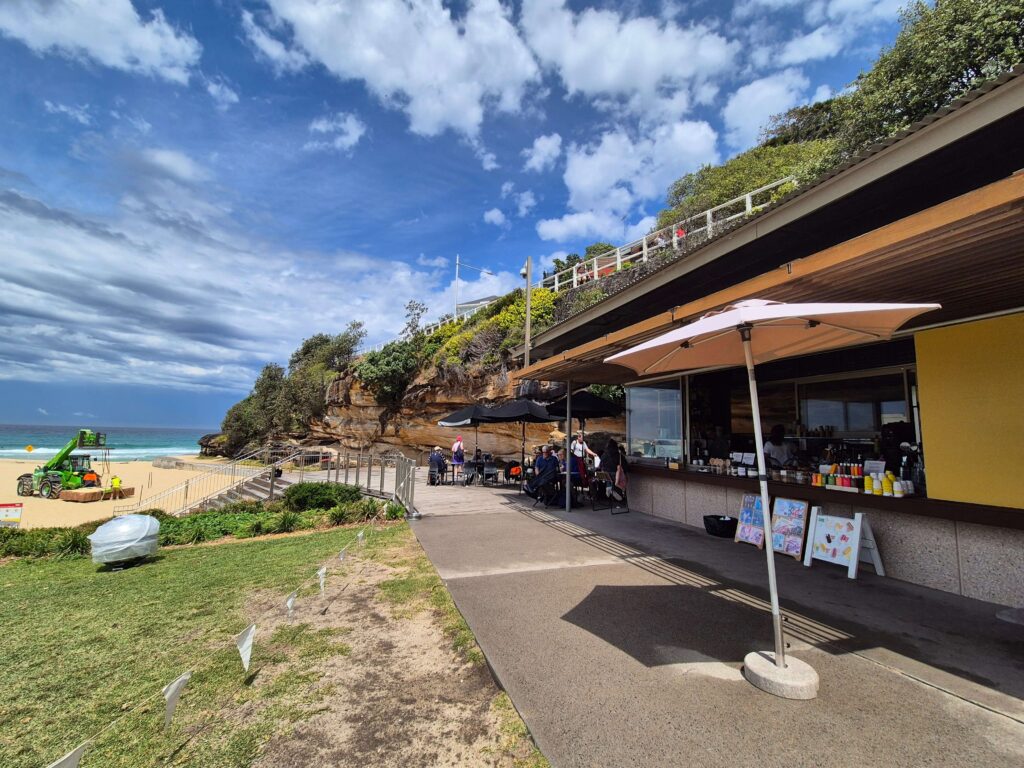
(777,451)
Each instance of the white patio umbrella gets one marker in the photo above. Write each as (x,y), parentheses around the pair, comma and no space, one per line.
(757,331)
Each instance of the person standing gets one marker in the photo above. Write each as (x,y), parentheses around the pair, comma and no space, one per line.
(458,456)
(579,450)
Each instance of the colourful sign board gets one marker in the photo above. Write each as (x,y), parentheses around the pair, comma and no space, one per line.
(789,524)
(750,527)
(10,515)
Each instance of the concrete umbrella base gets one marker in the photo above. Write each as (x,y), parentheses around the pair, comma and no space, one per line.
(796,680)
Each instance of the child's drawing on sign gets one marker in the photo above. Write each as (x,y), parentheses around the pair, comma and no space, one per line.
(789,523)
(842,541)
(751,521)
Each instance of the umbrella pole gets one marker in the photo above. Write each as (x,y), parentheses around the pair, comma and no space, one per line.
(568,458)
(766,518)
(522,459)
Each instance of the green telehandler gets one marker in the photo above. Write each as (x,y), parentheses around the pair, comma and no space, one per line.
(64,471)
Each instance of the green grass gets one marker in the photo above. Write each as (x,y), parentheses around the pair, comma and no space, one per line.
(81,646)
(515,741)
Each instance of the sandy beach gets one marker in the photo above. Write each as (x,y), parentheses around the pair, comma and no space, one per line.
(39,513)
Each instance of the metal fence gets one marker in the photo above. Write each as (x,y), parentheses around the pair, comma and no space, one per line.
(388,476)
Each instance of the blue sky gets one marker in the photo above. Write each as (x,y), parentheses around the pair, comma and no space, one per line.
(189,188)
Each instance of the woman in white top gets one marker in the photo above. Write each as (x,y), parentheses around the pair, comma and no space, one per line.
(580,450)
(776,449)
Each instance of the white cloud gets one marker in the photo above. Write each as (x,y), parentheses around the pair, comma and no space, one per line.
(175,164)
(443,72)
(109,32)
(496,217)
(437,262)
(544,153)
(822,43)
(506,189)
(281,57)
(342,131)
(488,160)
(165,306)
(525,202)
(547,263)
(79,114)
(609,178)
(640,63)
(222,94)
(749,108)
(42,411)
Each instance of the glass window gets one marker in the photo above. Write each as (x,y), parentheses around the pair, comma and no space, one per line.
(655,418)
(853,407)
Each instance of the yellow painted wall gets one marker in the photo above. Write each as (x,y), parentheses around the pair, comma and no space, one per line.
(971,389)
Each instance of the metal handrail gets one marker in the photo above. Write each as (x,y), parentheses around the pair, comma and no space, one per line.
(240,481)
(701,224)
(235,468)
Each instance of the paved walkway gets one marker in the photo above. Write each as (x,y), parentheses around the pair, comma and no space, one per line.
(620,640)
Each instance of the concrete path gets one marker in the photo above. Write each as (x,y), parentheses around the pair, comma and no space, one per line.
(620,640)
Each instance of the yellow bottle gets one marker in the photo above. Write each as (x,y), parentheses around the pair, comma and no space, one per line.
(869,484)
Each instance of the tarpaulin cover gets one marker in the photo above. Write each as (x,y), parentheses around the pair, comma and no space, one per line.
(125,538)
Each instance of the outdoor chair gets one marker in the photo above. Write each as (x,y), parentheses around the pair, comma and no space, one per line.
(600,498)
(513,472)
(490,470)
(469,473)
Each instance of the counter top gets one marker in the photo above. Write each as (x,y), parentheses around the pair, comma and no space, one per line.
(980,514)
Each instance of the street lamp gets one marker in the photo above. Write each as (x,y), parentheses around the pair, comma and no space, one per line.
(527,273)
(458,263)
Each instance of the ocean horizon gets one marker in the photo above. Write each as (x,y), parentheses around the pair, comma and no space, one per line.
(125,443)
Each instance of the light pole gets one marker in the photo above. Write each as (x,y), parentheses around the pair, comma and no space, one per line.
(459,263)
(527,272)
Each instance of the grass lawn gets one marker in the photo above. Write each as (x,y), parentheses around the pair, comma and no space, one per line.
(82,646)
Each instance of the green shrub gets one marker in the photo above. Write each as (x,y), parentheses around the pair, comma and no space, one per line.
(338,515)
(302,496)
(70,542)
(287,521)
(394,511)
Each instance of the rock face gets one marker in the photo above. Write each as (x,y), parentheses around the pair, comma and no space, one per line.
(357,422)
(214,444)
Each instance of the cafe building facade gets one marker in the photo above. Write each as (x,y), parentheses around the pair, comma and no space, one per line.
(933,215)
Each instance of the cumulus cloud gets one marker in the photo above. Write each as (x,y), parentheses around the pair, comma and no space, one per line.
(506,189)
(525,202)
(437,262)
(544,153)
(821,43)
(175,164)
(222,93)
(79,114)
(749,108)
(108,32)
(643,64)
(43,411)
(280,56)
(608,178)
(341,131)
(496,217)
(442,71)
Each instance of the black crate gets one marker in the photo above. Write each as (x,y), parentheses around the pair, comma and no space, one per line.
(723,527)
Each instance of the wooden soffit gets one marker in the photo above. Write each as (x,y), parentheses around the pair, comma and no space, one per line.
(966,253)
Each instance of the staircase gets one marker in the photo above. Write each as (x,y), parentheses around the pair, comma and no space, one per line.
(253,489)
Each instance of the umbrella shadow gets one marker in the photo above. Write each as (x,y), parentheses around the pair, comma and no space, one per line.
(671,624)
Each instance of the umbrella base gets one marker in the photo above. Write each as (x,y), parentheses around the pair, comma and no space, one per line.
(796,680)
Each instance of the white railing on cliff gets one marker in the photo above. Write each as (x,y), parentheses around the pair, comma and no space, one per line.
(694,229)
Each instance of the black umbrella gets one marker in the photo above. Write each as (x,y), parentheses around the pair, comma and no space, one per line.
(470,416)
(585,405)
(522,410)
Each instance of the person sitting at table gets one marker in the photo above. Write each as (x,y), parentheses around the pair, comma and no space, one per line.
(544,471)
(437,466)
(613,463)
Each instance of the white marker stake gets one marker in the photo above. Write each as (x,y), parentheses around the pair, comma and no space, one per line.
(244,642)
(290,603)
(70,760)
(322,575)
(361,538)
(341,555)
(172,692)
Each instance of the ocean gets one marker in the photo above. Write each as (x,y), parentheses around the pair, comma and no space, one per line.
(125,443)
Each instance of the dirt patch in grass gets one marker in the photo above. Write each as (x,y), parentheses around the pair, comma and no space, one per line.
(408,689)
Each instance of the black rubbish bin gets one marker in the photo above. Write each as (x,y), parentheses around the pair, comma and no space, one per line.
(723,527)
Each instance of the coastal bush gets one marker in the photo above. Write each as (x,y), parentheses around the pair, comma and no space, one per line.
(299,497)
(41,542)
(70,542)
(287,521)
(394,511)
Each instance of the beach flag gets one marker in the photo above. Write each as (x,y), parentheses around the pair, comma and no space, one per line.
(70,760)
(289,603)
(322,576)
(172,692)
(244,642)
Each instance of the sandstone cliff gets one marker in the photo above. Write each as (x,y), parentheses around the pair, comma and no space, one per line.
(356,421)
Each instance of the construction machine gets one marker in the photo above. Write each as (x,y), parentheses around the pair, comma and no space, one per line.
(65,471)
